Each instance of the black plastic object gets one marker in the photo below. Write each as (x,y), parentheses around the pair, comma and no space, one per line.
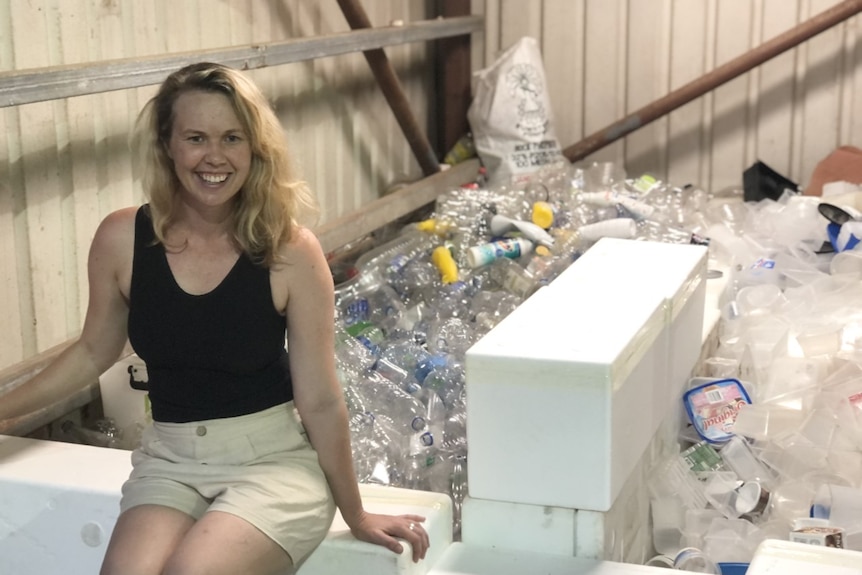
(760,182)
(834,214)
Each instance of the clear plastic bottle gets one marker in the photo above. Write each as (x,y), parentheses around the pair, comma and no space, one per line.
(654,230)
(399,362)
(351,356)
(451,335)
(391,404)
(106,435)
(484,254)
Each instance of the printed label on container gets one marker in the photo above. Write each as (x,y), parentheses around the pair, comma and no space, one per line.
(712,408)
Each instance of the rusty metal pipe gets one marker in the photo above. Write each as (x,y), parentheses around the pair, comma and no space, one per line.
(714,79)
(389,84)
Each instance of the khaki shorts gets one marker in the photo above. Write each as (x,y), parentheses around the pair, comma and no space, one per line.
(259,467)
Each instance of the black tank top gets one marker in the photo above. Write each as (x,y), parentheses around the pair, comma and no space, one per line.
(220,354)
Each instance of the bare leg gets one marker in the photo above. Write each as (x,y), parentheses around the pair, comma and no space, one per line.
(143,539)
(224,544)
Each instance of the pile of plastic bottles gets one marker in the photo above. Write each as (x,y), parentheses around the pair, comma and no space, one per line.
(789,349)
(417,303)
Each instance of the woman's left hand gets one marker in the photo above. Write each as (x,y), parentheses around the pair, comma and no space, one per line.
(383,530)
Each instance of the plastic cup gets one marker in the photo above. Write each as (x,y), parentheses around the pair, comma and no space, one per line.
(847,262)
(691,559)
(719,489)
(759,299)
(751,499)
(764,421)
(840,504)
(660,561)
(668,519)
(790,500)
(731,540)
(721,367)
(737,454)
(819,338)
(697,522)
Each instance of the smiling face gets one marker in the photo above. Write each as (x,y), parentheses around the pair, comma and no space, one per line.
(210,149)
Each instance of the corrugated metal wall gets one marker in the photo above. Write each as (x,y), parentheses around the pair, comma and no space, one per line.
(64,164)
(605,59)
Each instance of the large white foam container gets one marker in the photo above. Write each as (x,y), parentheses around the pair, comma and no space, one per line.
(461,559)
(59,503)
(562,396)
(567,392)
(677,272)
(774,557)
(620,534)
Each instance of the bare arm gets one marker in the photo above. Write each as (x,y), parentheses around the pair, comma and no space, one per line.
(318,398)
(104,333)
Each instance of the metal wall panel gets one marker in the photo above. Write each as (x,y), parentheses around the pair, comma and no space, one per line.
(605,59)
(64,164)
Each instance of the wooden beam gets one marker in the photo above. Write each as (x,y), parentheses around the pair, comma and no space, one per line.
(26,86)
(392,90)
(453,80)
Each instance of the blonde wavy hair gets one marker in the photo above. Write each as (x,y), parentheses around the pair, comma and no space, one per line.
(272,200)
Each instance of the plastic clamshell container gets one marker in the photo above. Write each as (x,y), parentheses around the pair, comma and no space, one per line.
(712,408)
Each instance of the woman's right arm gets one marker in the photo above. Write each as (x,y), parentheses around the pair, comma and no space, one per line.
(104,334)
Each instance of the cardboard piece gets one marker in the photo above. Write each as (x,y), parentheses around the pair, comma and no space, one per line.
(842,165)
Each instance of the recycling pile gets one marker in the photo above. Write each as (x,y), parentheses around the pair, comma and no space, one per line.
(790,337)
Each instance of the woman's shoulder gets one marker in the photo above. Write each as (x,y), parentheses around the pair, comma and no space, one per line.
(303,247)
(117,228)
(300,269)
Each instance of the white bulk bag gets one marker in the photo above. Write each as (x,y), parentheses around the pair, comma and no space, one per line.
(510,115)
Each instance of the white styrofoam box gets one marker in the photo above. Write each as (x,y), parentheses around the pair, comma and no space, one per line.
(561,397)
(716,289)
(775,557)
(59,503)
(678,272)
(463,559)
(341,553)
(518,526)
(622,533)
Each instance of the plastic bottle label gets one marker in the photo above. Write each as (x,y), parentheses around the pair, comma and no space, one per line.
(356,311)
(763,263)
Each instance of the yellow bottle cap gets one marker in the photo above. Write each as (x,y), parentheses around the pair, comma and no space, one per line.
(445,263)
(427,225)
(542,251)
(543,214)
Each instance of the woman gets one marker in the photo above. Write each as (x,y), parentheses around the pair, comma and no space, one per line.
(204,280)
